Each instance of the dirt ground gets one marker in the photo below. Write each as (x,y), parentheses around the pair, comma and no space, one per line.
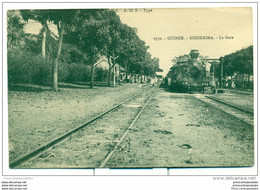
(88,147)
(35,117)
(175,130)
(243,100)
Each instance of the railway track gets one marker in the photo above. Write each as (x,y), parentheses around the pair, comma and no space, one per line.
(240,113)
(62,138)
(125,133)
(231,105)
(240,92)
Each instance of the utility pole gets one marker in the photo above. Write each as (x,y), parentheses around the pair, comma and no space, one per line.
(114,63)
(119,72)
(213,63)
(114,75)
(221,74)
(248,79)
(109,72)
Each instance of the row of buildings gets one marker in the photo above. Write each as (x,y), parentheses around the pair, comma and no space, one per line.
(119,74)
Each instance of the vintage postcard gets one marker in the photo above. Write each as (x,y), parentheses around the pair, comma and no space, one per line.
(130,88)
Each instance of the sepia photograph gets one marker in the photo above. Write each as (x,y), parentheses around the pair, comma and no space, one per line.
(130,88)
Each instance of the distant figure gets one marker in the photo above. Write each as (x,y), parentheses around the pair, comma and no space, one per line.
(233,84)
(165,81)
(169,81)
(131,79)
(152,81)
(208,65)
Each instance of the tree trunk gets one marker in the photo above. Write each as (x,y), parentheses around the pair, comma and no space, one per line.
(119,77)
(114,70)
(221,74)
(55,61)
(126,72)
(114,75)
(55,75)
(126,76)
(44,42)
(109,72)
(48,46)
(92,76)
(243,75)
(248,81)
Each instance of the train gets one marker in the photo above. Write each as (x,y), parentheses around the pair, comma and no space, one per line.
(192,76)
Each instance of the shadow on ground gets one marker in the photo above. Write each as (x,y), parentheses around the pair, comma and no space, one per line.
(25,88)
(38,88)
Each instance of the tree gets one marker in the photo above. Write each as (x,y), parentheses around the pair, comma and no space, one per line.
(94,32)
(41,16)
(111,40)
(131,50)
(152,67)
(240,61)
(15,30)
(61,18)
(99,32)
(126,47)
(181,59)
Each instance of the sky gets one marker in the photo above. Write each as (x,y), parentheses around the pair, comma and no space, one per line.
(236,23)
(166,23)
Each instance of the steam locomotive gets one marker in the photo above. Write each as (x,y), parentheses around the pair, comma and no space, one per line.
(191,76)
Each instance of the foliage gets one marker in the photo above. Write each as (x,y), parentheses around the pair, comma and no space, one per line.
(25,67)
(71,54)
(133,53)
(38,15)
(182,58)
(88,34)
(239,66)
(185,58)
(15,30)
(240,61)
(78,73)
(101,74)
(32,43)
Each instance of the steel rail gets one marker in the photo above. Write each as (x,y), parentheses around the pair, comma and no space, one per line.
(230,104)
(44,147)
(240,119)
(109,155)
